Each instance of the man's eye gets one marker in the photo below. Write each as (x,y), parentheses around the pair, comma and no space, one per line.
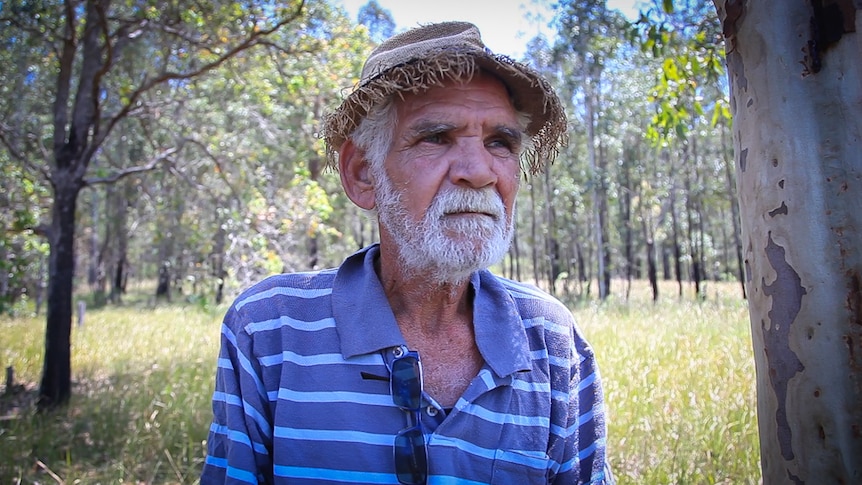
(435,138)
(501,143)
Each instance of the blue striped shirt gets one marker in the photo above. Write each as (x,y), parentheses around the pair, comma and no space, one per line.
(297,401)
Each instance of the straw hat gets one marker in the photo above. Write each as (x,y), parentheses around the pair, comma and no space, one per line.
(430,55)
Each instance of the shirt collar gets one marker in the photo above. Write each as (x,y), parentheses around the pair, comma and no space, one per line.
(365,322)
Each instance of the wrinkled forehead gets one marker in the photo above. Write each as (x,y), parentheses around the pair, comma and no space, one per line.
(482,92)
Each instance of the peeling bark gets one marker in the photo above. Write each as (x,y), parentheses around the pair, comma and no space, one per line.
(786,294)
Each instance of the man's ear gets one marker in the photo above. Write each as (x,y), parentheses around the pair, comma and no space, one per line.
(356,175)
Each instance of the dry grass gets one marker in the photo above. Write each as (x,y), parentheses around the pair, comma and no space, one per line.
(679,383)
(141,405)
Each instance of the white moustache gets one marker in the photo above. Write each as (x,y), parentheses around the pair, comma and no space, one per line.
(461,200)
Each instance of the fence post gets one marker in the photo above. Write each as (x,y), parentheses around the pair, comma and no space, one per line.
(10,379)
(82,307)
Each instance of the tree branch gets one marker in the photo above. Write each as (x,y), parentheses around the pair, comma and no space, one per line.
(85,112)
(148,167)
(64,78)
(218,165)
(20,156)
(17,155)
(148,84)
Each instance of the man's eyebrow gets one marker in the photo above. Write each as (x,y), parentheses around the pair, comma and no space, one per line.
(429,127)
(422,128)
(512,133)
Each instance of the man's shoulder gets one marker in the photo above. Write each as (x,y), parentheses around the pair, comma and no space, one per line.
(548,320)
(520,289)
(529,297)
(303,285)
(542,312)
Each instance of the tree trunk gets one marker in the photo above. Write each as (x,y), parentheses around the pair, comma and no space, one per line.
(677,250)
(691,206)
(534,248)
(603,221)
(625,200)
(119,226)
(583,276)
(552,246)
(163,286)
(652,273)
(55,388)
(95,256)
(694,216)
(118,280)
(217,257)
(515,258)
(795,74)
(597,192)
(102,252)
(313,243)
(667,275)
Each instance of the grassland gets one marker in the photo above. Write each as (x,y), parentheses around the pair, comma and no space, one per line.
(679,383)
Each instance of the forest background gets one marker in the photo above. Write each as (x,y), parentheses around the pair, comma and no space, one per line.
(208,182)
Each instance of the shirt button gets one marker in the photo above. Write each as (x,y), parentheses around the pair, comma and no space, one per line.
(431,410)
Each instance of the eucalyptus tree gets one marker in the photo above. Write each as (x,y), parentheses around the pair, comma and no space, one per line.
(688,93)
(637,183)
(85,43)
(795,76)
(588,35)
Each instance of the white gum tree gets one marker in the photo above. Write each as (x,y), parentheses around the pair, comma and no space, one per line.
(795,71)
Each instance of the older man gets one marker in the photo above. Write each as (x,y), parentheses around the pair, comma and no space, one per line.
(412,363)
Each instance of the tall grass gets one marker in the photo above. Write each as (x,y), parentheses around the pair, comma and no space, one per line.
(679,386)
(142,383)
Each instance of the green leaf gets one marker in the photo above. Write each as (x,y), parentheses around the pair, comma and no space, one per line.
(715,116)
(667,6)
(671,71)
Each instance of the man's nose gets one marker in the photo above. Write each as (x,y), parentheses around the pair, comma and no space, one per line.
(472,165)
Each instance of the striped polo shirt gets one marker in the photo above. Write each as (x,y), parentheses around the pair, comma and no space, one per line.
(302,388)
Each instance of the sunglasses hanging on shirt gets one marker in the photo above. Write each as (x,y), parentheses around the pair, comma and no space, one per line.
(405,384)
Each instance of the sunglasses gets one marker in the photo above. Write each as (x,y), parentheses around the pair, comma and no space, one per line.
(405,384)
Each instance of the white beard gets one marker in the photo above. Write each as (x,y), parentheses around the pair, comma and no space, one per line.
(445,248)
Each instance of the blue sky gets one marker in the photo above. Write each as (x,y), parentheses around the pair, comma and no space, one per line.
(506,25)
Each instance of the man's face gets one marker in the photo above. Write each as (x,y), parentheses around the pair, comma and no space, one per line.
(447,197)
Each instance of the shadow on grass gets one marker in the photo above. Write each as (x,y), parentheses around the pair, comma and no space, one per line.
(130,428)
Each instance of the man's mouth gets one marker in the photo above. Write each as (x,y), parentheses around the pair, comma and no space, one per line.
(470,212)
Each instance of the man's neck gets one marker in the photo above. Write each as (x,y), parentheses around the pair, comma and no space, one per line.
(423,306)
(415,300)
(437,321)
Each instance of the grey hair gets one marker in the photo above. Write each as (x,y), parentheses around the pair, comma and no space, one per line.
(374,134)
